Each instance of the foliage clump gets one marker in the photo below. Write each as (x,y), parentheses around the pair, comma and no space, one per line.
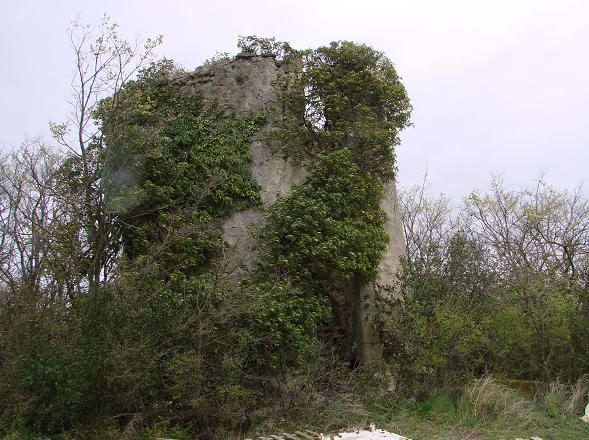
(330,229)
(253,45)
(344,95)
(175,161)
(343,106)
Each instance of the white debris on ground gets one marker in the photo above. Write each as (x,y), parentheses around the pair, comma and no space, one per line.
(346,434)
(585,418)
(377,434)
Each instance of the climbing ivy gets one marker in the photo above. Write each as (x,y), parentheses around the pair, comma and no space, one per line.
(330,228)
(176,164)
(343,106)
(178,167)
(344,95)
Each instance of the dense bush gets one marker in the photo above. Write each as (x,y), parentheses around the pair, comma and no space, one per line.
(480,299)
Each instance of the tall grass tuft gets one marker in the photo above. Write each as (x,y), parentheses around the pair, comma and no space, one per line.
(579,396)
(486,399)
(556,399)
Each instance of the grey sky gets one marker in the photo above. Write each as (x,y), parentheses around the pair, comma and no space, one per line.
(497,86)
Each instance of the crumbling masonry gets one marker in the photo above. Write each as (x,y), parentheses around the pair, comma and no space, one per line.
(245,84)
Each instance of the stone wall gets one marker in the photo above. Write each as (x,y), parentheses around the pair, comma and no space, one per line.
(245,84)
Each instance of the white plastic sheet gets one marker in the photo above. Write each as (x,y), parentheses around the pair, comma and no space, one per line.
(376,434)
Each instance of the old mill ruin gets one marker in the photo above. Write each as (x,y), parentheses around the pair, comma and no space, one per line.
(245,84)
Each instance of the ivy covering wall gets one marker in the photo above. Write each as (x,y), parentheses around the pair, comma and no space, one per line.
(343,106)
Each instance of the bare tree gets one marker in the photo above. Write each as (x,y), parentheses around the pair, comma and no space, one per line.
(27,215)
(427,222)
(534,230)
(539,229)
(104,62)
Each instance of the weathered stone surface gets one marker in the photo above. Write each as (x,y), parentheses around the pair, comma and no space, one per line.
(390,264)
(367,346)
(363,299)
(238,234)
(246,85)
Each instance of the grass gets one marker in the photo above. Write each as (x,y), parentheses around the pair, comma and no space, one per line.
(486,410)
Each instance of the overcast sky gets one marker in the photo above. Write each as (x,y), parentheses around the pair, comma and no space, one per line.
(497,86)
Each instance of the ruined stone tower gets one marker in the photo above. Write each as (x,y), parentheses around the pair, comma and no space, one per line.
(245,84)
